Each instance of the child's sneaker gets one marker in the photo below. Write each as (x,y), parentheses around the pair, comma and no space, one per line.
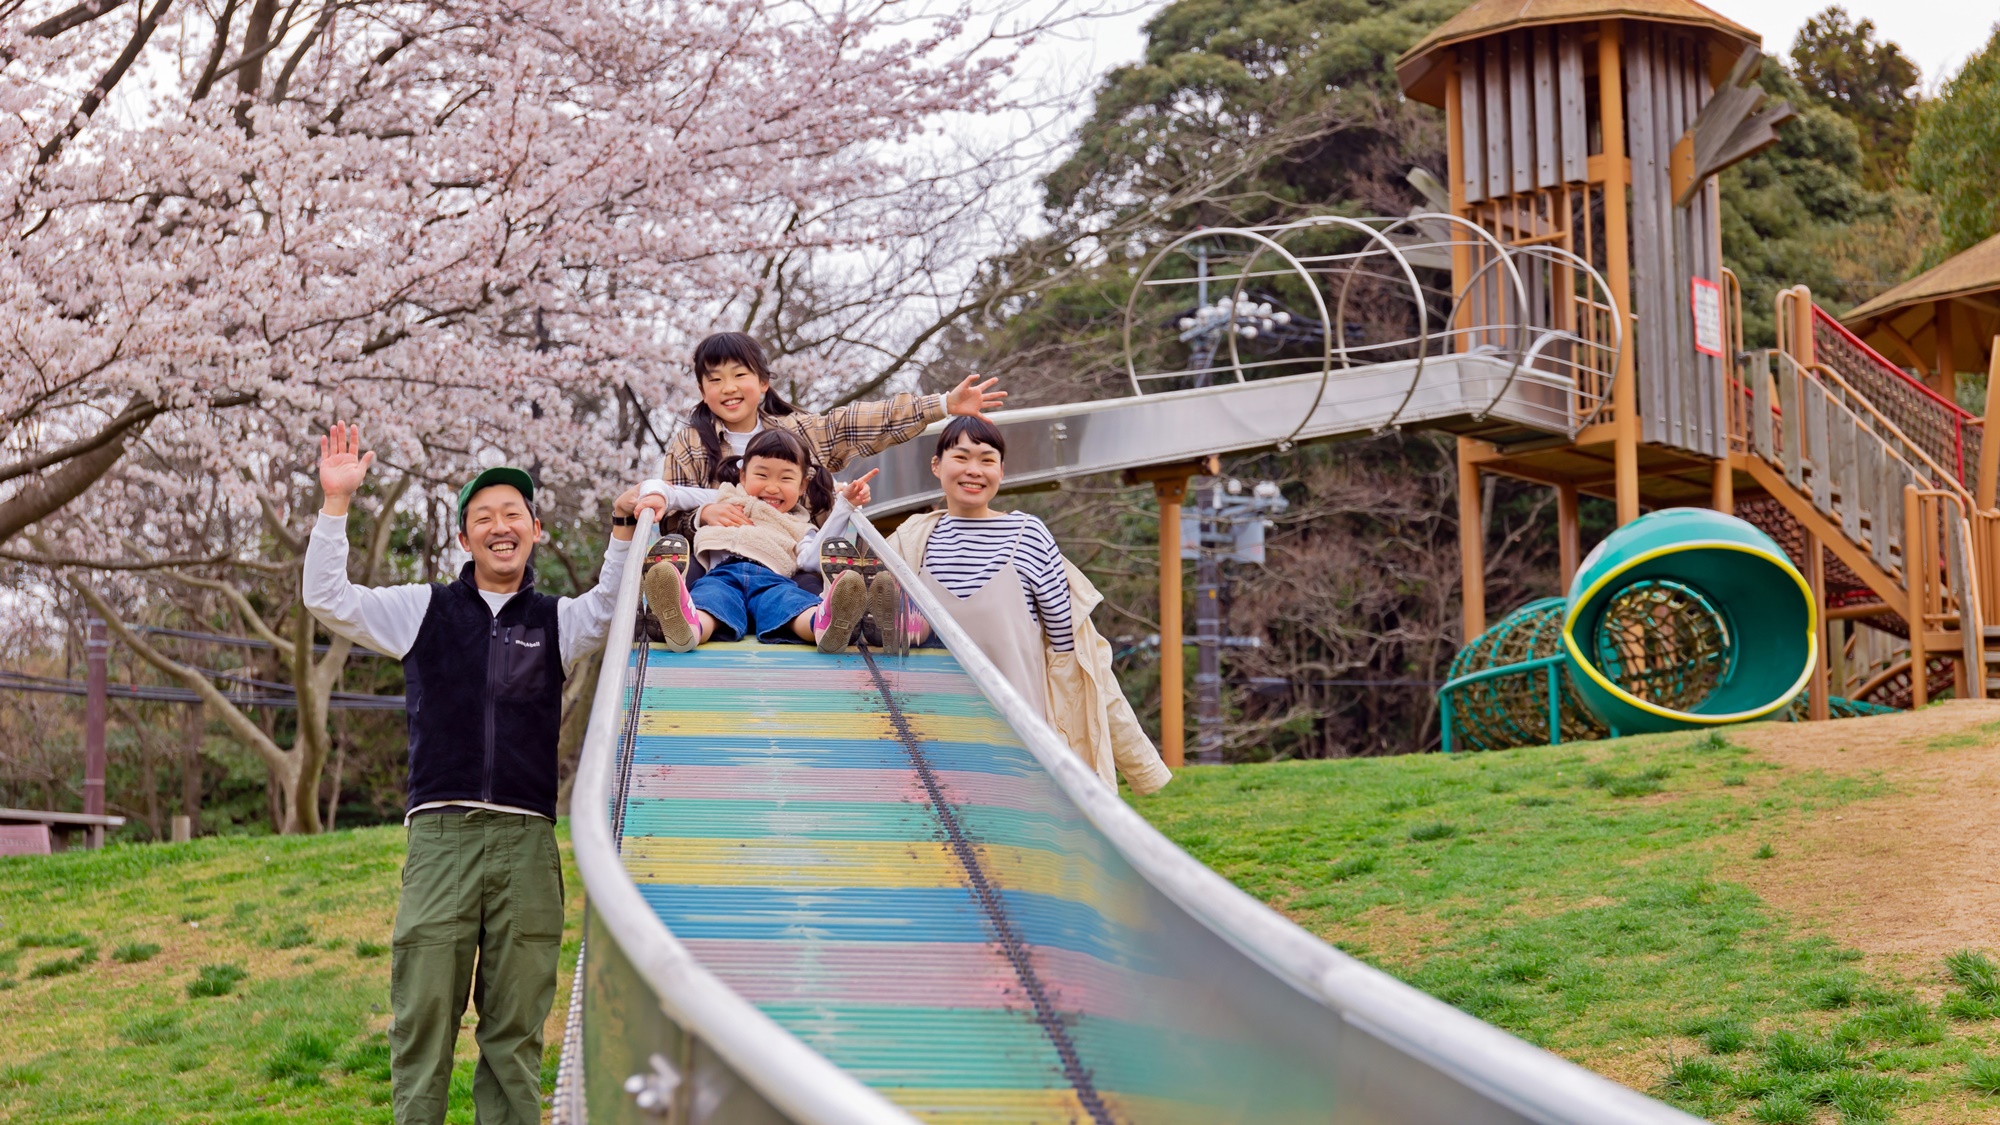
(867,563)
(840,611)
(835,556)
(664,587)
(885,603)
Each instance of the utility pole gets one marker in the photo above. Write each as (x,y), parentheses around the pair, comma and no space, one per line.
(95,647)
(1208,628)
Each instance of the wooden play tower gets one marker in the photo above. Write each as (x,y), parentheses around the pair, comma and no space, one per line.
(1599,126)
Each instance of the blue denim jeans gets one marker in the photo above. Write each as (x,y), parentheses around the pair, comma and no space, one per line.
(750,598)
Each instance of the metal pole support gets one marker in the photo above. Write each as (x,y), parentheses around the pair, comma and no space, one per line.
(96,647)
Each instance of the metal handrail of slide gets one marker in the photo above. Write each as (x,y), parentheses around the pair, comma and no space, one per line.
(656,1024)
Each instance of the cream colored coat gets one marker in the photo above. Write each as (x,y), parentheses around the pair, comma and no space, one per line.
(771,537)
(1086,705)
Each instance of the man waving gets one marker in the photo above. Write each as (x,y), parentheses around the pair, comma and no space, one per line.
(484,659)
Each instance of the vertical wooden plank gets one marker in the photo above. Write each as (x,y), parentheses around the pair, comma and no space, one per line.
(1847,459)
(1471,124)
(1668,56)
(1520,112)
(1881,510)
(1819,444)
(1788,422)
(1547,141)
(1641,124)
(1760,411)
(1493,82)
(1574,130)
(1672,287)
(1456,124)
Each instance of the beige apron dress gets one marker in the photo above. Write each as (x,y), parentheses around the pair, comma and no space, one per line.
(1000,621)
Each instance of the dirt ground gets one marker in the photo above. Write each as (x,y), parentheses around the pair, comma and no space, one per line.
(1907,877)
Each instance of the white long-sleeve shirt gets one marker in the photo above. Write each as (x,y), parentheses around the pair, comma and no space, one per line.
(387,618)
(685,498)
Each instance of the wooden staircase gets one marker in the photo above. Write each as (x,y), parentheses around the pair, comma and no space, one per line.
(1892,479)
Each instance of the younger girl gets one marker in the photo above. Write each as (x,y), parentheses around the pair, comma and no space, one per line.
(747,588)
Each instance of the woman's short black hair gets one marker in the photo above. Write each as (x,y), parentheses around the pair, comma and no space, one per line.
(974,429)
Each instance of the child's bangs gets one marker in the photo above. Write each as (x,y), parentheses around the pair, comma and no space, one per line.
(731,347)
(778,445)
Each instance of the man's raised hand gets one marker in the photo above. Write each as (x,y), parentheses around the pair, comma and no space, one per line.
(342,466)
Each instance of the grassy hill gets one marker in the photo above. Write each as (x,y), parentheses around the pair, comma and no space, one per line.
(224,980)
(1781,925)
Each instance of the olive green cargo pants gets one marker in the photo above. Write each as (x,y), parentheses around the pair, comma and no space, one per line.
(481,909)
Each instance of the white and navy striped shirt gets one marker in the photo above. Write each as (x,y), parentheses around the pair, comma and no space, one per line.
(964,555)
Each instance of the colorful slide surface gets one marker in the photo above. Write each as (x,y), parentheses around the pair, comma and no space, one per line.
(870,887)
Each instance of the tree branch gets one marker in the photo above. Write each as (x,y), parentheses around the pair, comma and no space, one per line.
(136,413)
(104,85)
(76,16)
(244,610)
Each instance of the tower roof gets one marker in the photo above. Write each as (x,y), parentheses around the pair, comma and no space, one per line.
(1422,76)
(1903,320)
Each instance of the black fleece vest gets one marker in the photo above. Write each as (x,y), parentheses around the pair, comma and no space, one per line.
(484,696)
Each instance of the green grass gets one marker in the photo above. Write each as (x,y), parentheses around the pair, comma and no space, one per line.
(248,983)
(1580,896)
(133,952)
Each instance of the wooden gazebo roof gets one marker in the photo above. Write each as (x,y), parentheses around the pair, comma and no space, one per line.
(1422,77)
(1902,323)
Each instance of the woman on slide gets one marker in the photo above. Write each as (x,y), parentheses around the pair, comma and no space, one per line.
(747,587)
(737,403)
(1004,581)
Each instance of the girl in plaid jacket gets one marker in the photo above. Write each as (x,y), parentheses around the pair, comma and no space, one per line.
(737,403)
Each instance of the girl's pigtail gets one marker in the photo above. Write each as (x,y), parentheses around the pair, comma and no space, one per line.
(702,421)
(819,491)
(728,470)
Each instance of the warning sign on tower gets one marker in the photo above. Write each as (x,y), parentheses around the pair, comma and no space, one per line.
(1706,301)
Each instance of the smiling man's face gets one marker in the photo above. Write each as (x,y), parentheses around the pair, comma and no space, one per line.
(499,531)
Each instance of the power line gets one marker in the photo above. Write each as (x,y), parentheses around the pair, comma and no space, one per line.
(160,693)
(238,642)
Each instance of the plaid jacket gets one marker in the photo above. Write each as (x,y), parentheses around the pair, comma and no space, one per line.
(836,437)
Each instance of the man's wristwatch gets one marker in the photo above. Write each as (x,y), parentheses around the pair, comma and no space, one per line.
(624,521)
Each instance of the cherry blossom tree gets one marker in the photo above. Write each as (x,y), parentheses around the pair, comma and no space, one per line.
(470,222)
(490,229)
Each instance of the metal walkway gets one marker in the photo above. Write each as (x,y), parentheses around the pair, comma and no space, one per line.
(1486,395)
(873,888)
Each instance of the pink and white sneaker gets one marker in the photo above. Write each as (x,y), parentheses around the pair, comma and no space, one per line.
(664,586)
(840,611)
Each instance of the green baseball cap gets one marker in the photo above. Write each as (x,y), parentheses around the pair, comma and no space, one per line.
(498,474)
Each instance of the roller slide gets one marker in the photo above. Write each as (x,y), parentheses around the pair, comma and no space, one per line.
(874,888)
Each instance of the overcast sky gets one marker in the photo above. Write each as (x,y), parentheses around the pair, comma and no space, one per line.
(1936,34)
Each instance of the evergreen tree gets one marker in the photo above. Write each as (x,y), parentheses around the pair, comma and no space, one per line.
(1956,153)
(1841,65)
(1801,212)
(1307,89)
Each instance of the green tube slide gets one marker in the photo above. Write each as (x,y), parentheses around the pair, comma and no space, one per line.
(1681,619)
(1687,618)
